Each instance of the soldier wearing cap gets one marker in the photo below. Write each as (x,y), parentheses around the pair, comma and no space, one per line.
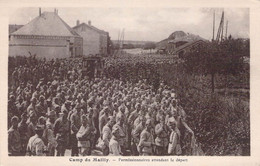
(107,134)
(84,136)
(75,125)
(32,122)
(23,130)
(136,136)
(12,109)
(41,107)
(122,133)
(36,145)
(161,141)
(14,140)
(174,140)
(61,132)
(51,117)
(91,124)
(32,106)
(49,134)
(114,146)
(146,140)
(103,119)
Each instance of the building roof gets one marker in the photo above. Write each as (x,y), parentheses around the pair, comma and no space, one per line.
(14,27)
(187,38)
(179,36)
(186,45)
(91,27)
(47,24)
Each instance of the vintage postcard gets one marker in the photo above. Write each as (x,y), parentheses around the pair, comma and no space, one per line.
(112,83)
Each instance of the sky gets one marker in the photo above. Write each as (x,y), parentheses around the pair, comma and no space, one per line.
(147,24)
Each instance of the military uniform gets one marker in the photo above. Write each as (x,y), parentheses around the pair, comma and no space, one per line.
(61,132)
(23,130)
(49,135)
(31,129)
(146,143)
(14,142)
(83,137)
(36,146)
(107,135)
(122,139)
(75,125)
(102,122)
(161,140)
(136,139)
(114,147)
(41,109)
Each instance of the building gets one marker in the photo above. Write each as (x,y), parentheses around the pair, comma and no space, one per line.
(95,41)
(181,50)
(14,27)
(46,36)
(178,43)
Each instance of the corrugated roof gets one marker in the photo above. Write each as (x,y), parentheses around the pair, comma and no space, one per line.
(48,24)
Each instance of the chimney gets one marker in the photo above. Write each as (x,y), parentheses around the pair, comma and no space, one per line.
(40,12)
(89,22)
(55,11)
(78,22)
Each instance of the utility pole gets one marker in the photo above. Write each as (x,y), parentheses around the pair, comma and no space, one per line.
(226,29)
(222,27)
(118,41)
(213,26)
(123,35)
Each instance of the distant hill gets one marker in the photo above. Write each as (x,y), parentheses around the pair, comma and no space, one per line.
(178,36)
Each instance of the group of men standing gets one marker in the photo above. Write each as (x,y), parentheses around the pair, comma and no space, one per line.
(113,116)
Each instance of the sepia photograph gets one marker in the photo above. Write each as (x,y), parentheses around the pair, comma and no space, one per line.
(90,81)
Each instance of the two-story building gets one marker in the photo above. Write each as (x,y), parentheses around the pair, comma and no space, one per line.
(46,36)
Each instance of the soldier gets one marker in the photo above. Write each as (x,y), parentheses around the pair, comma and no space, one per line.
(12,109)
(92,128)
(35,145)
(120,124)
(161,141)
(114,147)
(14,140)
(32,106)
(66,106)
(132,117)
(61,132)
(75,125)
(52,143)
(103,120)
(138,120)
(32,124)
(41,107)
(174,146)
(146,140)
(136,137)
(83,137)
(23,130)
(19,105)
(107,134)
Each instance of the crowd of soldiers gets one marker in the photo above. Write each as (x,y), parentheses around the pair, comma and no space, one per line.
(61,109)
